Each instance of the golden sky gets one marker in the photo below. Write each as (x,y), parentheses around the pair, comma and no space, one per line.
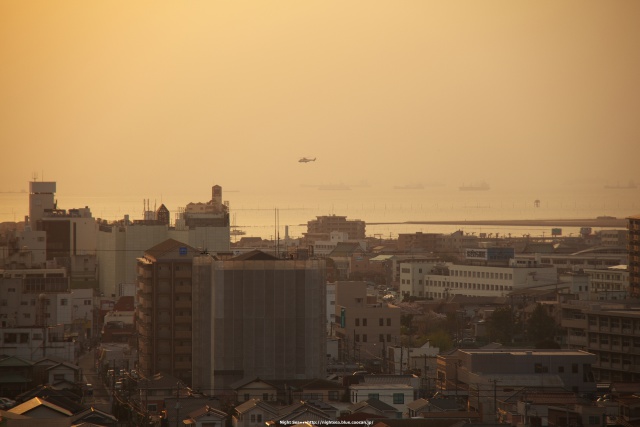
(134,96)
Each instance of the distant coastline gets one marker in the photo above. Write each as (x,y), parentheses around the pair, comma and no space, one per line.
(595,222)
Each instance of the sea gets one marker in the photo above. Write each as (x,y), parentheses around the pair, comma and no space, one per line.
(274,214)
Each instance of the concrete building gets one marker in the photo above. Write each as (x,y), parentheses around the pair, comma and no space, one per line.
(613,237)
(609,284)
(594,258)
(199,225)
(322,248)
(164,319)
(41,199)
(412,277)
(480,280)
(420,242)
(366,327)
(255,315)
(37,342)
(486,376)
(355,229)
(634,255)
(611,331)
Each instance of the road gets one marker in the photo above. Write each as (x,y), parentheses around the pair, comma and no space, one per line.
(101,395)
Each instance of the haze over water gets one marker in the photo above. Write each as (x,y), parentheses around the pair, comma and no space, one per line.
(255,211)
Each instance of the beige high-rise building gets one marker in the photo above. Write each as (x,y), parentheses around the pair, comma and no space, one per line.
(255,315)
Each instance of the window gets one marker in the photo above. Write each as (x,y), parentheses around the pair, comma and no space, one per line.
(398,398)
(560,369)
(265,396)
(388,337)
(64,301)
(381,322)
(574,368)
(357,337)
(152,407)
(594,420)
(253,418)
(364,322)
(388,321)
(246,397)
(87,302)
(374,396)
(259,418)
(540,368)
(334,395)
(58,377)
(364,337)
(381,338)
(357,322)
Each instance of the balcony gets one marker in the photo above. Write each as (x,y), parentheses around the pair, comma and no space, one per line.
(183,319)
(182,304)
(182,349)
(182,289)
(182,335)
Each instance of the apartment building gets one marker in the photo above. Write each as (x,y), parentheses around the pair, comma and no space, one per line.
(354,228)
(611,331)
(633,248)
(365,327)
(203,225)
(255,315)
(164,310)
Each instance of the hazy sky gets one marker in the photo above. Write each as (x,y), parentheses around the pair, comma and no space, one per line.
(132,96)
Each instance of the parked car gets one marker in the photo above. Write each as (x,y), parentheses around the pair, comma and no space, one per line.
(6,403)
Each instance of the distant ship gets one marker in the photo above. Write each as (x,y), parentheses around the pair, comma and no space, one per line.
(237,232)
(631,185)
(482,187)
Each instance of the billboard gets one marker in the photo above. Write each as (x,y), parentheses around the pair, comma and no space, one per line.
(490,254)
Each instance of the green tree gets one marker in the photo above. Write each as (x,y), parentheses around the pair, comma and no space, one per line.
(501,325)
(440,339)
(541,326)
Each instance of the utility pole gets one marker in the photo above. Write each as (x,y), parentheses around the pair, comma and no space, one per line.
(495,398)
(178,404)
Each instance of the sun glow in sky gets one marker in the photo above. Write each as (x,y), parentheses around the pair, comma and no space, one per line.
(119,96)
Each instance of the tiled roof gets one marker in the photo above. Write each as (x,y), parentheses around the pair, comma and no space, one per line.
(374,403)
(13,361)
(252,403)
(344,249)
(34,403)
(254,255)
(170,246)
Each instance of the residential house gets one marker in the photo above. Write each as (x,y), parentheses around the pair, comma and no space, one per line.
(205,416)
(253,412)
